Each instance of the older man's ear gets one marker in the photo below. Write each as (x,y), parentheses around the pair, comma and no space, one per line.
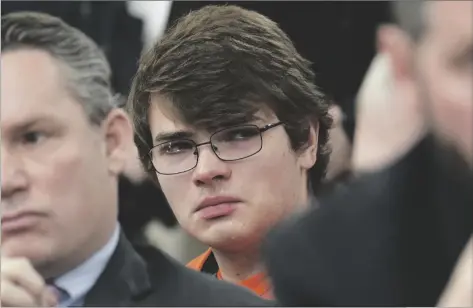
(119,143)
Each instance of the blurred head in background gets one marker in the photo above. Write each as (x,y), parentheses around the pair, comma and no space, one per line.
(63,143)
(341,140)
(431,53)
(141,200)
(226,112)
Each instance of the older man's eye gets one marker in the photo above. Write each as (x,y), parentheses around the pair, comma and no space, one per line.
(33,137)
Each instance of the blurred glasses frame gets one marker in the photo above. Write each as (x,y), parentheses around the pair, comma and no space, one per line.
(260,130)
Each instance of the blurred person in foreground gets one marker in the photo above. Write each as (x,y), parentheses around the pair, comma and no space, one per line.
(63,145)
(232,127)
(400,233)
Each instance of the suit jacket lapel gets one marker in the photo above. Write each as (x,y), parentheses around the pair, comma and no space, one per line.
(124,279)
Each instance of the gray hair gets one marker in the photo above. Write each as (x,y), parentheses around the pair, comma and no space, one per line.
(87,69)
(410,16)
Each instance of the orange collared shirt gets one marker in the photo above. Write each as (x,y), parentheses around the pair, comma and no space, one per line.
(258,283)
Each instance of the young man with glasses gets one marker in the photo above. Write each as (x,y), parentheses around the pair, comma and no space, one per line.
(63,146)
(230,124)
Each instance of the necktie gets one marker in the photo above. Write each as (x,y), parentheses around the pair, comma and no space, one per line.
(62,295)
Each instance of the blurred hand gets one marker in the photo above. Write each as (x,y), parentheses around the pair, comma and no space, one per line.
(459,290)
(389,121)
(22,286)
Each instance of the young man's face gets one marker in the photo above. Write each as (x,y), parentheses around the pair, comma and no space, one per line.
(261,189)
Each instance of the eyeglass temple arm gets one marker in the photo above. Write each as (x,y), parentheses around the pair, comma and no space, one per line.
(269,126)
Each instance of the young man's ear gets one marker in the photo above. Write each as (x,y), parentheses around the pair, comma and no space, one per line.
(308,156)
(118,133)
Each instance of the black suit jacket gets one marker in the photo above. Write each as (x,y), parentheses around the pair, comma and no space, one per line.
(391,239)
(130,281)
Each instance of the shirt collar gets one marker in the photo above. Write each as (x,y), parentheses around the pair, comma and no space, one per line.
(81,279)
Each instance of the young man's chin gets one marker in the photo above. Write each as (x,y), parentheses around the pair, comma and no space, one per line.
(229,239)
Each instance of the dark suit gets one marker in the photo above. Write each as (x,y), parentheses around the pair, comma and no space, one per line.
(130,281)
(392,239)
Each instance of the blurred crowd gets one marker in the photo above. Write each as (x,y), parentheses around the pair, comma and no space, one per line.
(237,154)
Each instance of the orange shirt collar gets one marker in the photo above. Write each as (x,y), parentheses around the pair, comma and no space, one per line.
(258,283)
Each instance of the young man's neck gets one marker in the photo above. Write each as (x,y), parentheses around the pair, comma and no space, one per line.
(237,266)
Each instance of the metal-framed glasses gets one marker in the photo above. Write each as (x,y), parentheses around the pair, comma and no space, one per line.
(228,144)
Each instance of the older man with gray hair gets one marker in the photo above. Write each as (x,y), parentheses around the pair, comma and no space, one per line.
(63,145)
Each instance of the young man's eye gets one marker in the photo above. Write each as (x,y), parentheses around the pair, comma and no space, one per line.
(239,134)
(175,147)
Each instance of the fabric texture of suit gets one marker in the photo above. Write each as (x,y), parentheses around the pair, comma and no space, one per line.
(391,239)
(129,280)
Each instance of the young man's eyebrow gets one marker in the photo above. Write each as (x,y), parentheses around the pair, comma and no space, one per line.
(169,136)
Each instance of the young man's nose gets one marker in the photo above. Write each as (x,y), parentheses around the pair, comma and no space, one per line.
(210,167)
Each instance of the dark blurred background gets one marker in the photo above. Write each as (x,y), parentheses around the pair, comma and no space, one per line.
(337,36)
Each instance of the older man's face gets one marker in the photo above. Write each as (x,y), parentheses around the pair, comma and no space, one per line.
(58,171)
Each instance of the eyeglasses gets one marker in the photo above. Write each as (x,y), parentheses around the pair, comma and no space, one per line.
(228,144)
